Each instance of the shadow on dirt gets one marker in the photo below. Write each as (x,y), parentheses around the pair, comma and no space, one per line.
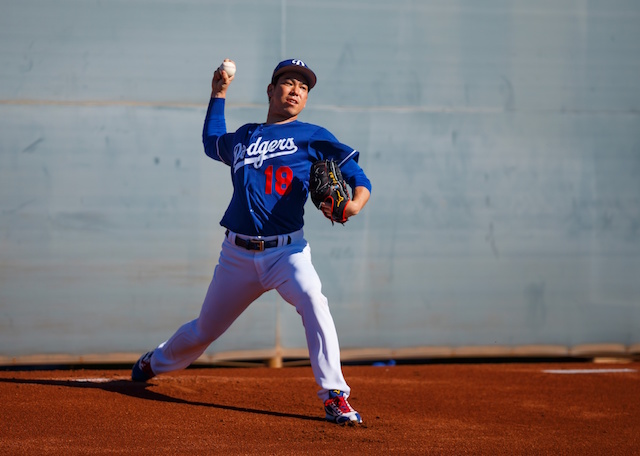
(142,391)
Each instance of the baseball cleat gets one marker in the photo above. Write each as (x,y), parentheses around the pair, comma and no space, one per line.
(339,411)
(141,371)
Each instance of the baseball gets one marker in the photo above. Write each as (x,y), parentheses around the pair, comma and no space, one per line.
(229,67)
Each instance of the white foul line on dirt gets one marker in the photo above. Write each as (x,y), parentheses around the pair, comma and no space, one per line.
(93,379)
(589,371)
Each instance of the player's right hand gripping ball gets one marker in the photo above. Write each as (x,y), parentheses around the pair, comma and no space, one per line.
(326,185)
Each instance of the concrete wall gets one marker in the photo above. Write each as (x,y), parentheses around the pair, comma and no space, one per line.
(502,139)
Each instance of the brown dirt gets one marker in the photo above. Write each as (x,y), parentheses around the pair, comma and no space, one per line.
(408,409)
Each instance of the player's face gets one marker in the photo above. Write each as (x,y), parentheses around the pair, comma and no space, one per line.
(288,97)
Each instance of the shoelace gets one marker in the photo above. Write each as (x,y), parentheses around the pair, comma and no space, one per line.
(342,404)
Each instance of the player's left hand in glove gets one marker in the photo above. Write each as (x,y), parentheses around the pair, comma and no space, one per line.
(329,190)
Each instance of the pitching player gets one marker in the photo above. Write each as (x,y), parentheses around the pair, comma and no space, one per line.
(264,246)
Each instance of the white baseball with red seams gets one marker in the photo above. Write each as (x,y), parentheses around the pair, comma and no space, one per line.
(229,67)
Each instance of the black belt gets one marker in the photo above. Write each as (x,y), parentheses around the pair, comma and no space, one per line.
(256,244)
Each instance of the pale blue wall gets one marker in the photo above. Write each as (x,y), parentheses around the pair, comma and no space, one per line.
(502,138)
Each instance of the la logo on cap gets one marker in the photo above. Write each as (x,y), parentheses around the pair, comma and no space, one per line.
(296,65)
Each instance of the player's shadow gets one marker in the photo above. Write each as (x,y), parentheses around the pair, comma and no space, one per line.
(141,391)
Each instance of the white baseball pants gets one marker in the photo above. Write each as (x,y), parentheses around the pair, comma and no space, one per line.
(240,277)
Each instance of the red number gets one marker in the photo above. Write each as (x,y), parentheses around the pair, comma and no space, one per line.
(284,176)
(268,173)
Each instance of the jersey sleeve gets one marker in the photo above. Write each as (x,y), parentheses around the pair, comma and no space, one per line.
(218,144)
(323,145)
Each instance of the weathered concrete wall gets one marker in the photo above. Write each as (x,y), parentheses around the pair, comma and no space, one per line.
(502,139)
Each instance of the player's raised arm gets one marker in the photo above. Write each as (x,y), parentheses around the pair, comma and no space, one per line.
(215,125)
(222,77)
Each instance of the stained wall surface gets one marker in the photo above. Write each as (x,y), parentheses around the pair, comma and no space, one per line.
(502,140)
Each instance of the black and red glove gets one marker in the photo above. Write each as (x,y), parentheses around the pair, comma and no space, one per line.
(328,187)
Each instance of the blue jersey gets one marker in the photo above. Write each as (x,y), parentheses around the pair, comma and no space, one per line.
(270,166)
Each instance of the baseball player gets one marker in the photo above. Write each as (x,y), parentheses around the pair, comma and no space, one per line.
(264,246)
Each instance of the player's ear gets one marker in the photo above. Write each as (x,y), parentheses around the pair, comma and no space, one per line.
(270,89)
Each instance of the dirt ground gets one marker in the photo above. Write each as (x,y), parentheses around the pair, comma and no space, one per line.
(501,408)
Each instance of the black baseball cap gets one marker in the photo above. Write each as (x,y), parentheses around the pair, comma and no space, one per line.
(294,65)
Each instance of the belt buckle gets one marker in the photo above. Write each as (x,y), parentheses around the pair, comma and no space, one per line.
(258,244)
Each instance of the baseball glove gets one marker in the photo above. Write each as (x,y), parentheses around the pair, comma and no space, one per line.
(326,185)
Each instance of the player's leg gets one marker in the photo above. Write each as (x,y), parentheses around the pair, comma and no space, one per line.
(234,286)
(299,285)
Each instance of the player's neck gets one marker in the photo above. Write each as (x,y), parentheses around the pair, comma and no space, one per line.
(273,119)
